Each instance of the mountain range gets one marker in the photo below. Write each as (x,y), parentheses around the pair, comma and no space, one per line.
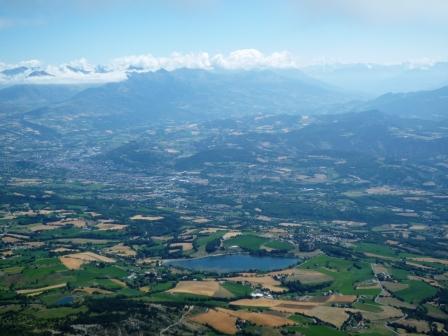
(199,94)
(192,94)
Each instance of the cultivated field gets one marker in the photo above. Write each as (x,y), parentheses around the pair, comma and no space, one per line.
(211,288)
(265,281)
(432,260)
(184,246)
(217,320)
(224,320)
(111,227)
(36,291)
(317,308)
(146,218)
(303,275)
(121,250)
(76,260)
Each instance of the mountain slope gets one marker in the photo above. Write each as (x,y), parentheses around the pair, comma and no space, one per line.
(422,104)
(377,79)
(198,94)
(21,98)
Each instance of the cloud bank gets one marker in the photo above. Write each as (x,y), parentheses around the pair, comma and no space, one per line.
(81,71)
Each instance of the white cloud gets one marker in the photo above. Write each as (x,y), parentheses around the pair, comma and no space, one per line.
(239,59)
(149,62)
(252,58)
(81,71)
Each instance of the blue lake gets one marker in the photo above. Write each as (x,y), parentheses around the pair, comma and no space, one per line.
(234,263)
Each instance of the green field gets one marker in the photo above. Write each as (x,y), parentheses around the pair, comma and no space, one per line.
(345,274)
(252,243)
(237,289)
(416,292)
(376,249)
(317,330)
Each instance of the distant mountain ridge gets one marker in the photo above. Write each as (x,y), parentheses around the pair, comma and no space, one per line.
(187,93)
(377,79)
(22,98)
(422,104)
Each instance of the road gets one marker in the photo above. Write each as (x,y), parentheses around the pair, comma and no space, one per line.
(163,331)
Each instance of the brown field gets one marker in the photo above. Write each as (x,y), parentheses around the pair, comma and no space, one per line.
(231,234)
(42,227)
(7,253)
(420,325)
(417,265)
(210,288)
(224,320)
(18,236)
(218,320)
(432,260)
(121,250)
(435,312)
(277,231)
(111,227)
(378,268)
(429,281)
(10,240)
(261,319)
(314,308)
(40,290)
(390,301)
(184,246)
(332,315)
(270,303)
(33,244)
(119,283)
(394,286)
(368,286)
(79,223)
(304,276)
(341,298)
(210,230)
(265,281)
(93,290)
(386,314)
(146,218)
(76,260)
(145,289)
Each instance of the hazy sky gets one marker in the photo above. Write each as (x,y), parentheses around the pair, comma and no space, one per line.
(55,31)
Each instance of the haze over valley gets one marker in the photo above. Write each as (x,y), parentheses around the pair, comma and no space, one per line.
(291,181)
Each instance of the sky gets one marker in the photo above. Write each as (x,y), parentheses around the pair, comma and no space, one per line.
(298,31)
